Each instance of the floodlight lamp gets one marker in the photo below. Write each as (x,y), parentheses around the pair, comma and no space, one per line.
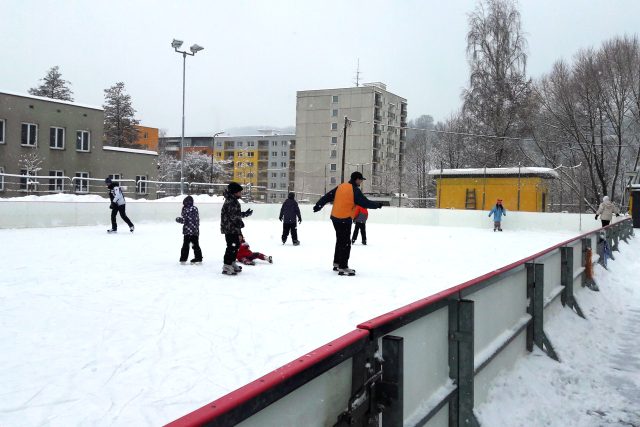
(195,48)
(176,44)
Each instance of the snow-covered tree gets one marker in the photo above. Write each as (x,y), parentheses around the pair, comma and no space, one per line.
(200,167)
(53,86)
(168,168)
(119,121)
(30,163)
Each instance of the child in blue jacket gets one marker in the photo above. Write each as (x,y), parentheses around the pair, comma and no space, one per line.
(497,212)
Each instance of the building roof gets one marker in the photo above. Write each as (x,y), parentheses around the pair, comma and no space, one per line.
(57,101)
(493,172)
(129,150)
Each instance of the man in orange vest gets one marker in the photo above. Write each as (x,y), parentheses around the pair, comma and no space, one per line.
(345,198)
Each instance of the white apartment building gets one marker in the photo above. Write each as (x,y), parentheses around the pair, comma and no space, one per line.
(375,137)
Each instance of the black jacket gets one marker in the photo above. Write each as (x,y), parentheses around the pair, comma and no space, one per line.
(290,211)
(231,215)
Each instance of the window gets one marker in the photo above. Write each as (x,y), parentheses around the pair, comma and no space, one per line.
(250,175)
(274,164)
(23,181)
(82,184)
(56,184)
(250,154)
(219,144)
(29,136)
(283,153)
(240,154)
(272,185)
(56,137)
(82,140)
(251,144)
(334,154)
(250,164)
(334,126)
(274,154)
(284,143)
(334,98)
(274,174)
(274,143)
(283,164)
(2,125)
(334,113)
(334,139)
(333,167)
(283,175)
(283,185)
(272,195)
(282,195)
(333,180)
(115,177)
(1,179)
(239,143)
(141,184)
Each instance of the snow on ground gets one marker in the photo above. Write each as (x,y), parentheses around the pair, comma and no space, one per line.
(598,382)
(102,330)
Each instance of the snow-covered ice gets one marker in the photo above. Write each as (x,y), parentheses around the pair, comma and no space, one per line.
(102,329)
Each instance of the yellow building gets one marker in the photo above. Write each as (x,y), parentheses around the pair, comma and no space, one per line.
(521,189)
(245,166)
(147,137)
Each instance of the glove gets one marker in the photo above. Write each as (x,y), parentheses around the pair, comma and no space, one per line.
(280,219)
(596,217)
(316,208)
(180,220)
(247,213)
(300,221)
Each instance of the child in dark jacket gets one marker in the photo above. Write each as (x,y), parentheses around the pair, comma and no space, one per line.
(190,218)
(289,212)
(231,225)
(360,218)
(247,257)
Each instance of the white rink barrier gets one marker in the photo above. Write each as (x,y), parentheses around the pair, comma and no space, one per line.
(32,214)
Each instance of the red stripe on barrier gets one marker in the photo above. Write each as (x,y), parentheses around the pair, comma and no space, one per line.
(224,404)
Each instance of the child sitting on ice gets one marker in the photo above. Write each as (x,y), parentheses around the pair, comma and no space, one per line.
(247,257)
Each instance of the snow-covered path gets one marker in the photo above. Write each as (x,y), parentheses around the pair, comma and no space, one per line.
(101,330)
(598,382)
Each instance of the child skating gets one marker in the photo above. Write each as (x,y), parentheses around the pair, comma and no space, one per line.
(247,257)
(190,218)
(498,211)
(231,225)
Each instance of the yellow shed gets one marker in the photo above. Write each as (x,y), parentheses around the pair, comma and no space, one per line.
(520,188)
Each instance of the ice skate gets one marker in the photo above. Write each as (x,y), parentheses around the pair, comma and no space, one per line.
(229,270)
(183,262)
(346,272)
(237,268)
(364,242)
(296,243)
(335,266)
(270,259)
(112,230)
(196,261)
(353,242)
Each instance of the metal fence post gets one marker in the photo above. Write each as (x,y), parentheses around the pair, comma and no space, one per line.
(616,236)
(535,293)
(461,363)
(392,386)
(566,279)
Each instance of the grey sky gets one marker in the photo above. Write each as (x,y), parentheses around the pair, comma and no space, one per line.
(259,53)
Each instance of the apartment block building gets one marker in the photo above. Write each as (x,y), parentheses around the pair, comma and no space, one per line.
(265,162)
(375,137)
(65,140)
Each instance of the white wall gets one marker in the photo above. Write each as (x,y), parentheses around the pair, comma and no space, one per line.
(30,214)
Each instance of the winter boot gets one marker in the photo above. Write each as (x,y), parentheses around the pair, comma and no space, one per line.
(284,241)
(296,243)
(364,242)
(346,272)
(335,266)
(499,229)
(113,230)
(196,261)
(237,268)
(270,259)
(131,228)
(228,269)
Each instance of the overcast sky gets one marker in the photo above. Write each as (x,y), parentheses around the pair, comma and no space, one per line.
(259,53)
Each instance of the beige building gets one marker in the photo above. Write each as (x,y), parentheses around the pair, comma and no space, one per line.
(375,140)
(64,140)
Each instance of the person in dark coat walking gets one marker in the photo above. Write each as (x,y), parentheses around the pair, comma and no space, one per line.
(289,212)
(345,198)
(117,204)
(190,218)
(231,226)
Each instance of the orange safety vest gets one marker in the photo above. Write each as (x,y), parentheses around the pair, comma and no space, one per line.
(343,203)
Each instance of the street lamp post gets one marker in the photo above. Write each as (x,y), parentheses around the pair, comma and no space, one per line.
(175,44)
(213,141)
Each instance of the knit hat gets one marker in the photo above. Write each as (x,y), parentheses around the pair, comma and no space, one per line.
(357,175)
(107,180)
(234,187)
(499,201)
(292,195)
(188,201)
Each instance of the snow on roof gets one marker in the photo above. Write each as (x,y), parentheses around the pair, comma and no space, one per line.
(58,101)
(522,171)
(130,150)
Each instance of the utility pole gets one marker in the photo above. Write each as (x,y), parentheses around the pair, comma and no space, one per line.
(344,145)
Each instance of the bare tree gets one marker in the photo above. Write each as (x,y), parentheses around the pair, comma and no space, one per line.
(499,92)
(53,86)
(31,164)
(419,157)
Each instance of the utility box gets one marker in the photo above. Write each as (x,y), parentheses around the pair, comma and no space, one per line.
(635,207)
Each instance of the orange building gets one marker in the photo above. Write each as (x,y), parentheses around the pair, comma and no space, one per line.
(148,137)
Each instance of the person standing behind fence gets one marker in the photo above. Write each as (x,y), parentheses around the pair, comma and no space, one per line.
(190,218)
(360,219)
(289,212)
(118,204)
(606,211)
(231,225)
(498,211)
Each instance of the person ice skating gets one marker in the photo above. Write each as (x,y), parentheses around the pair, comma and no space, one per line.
(361,215)
(606,210)
(498,211)
(289,212)
(231,225)
(190,218)
(247,257)
(345,198)
(118,204)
